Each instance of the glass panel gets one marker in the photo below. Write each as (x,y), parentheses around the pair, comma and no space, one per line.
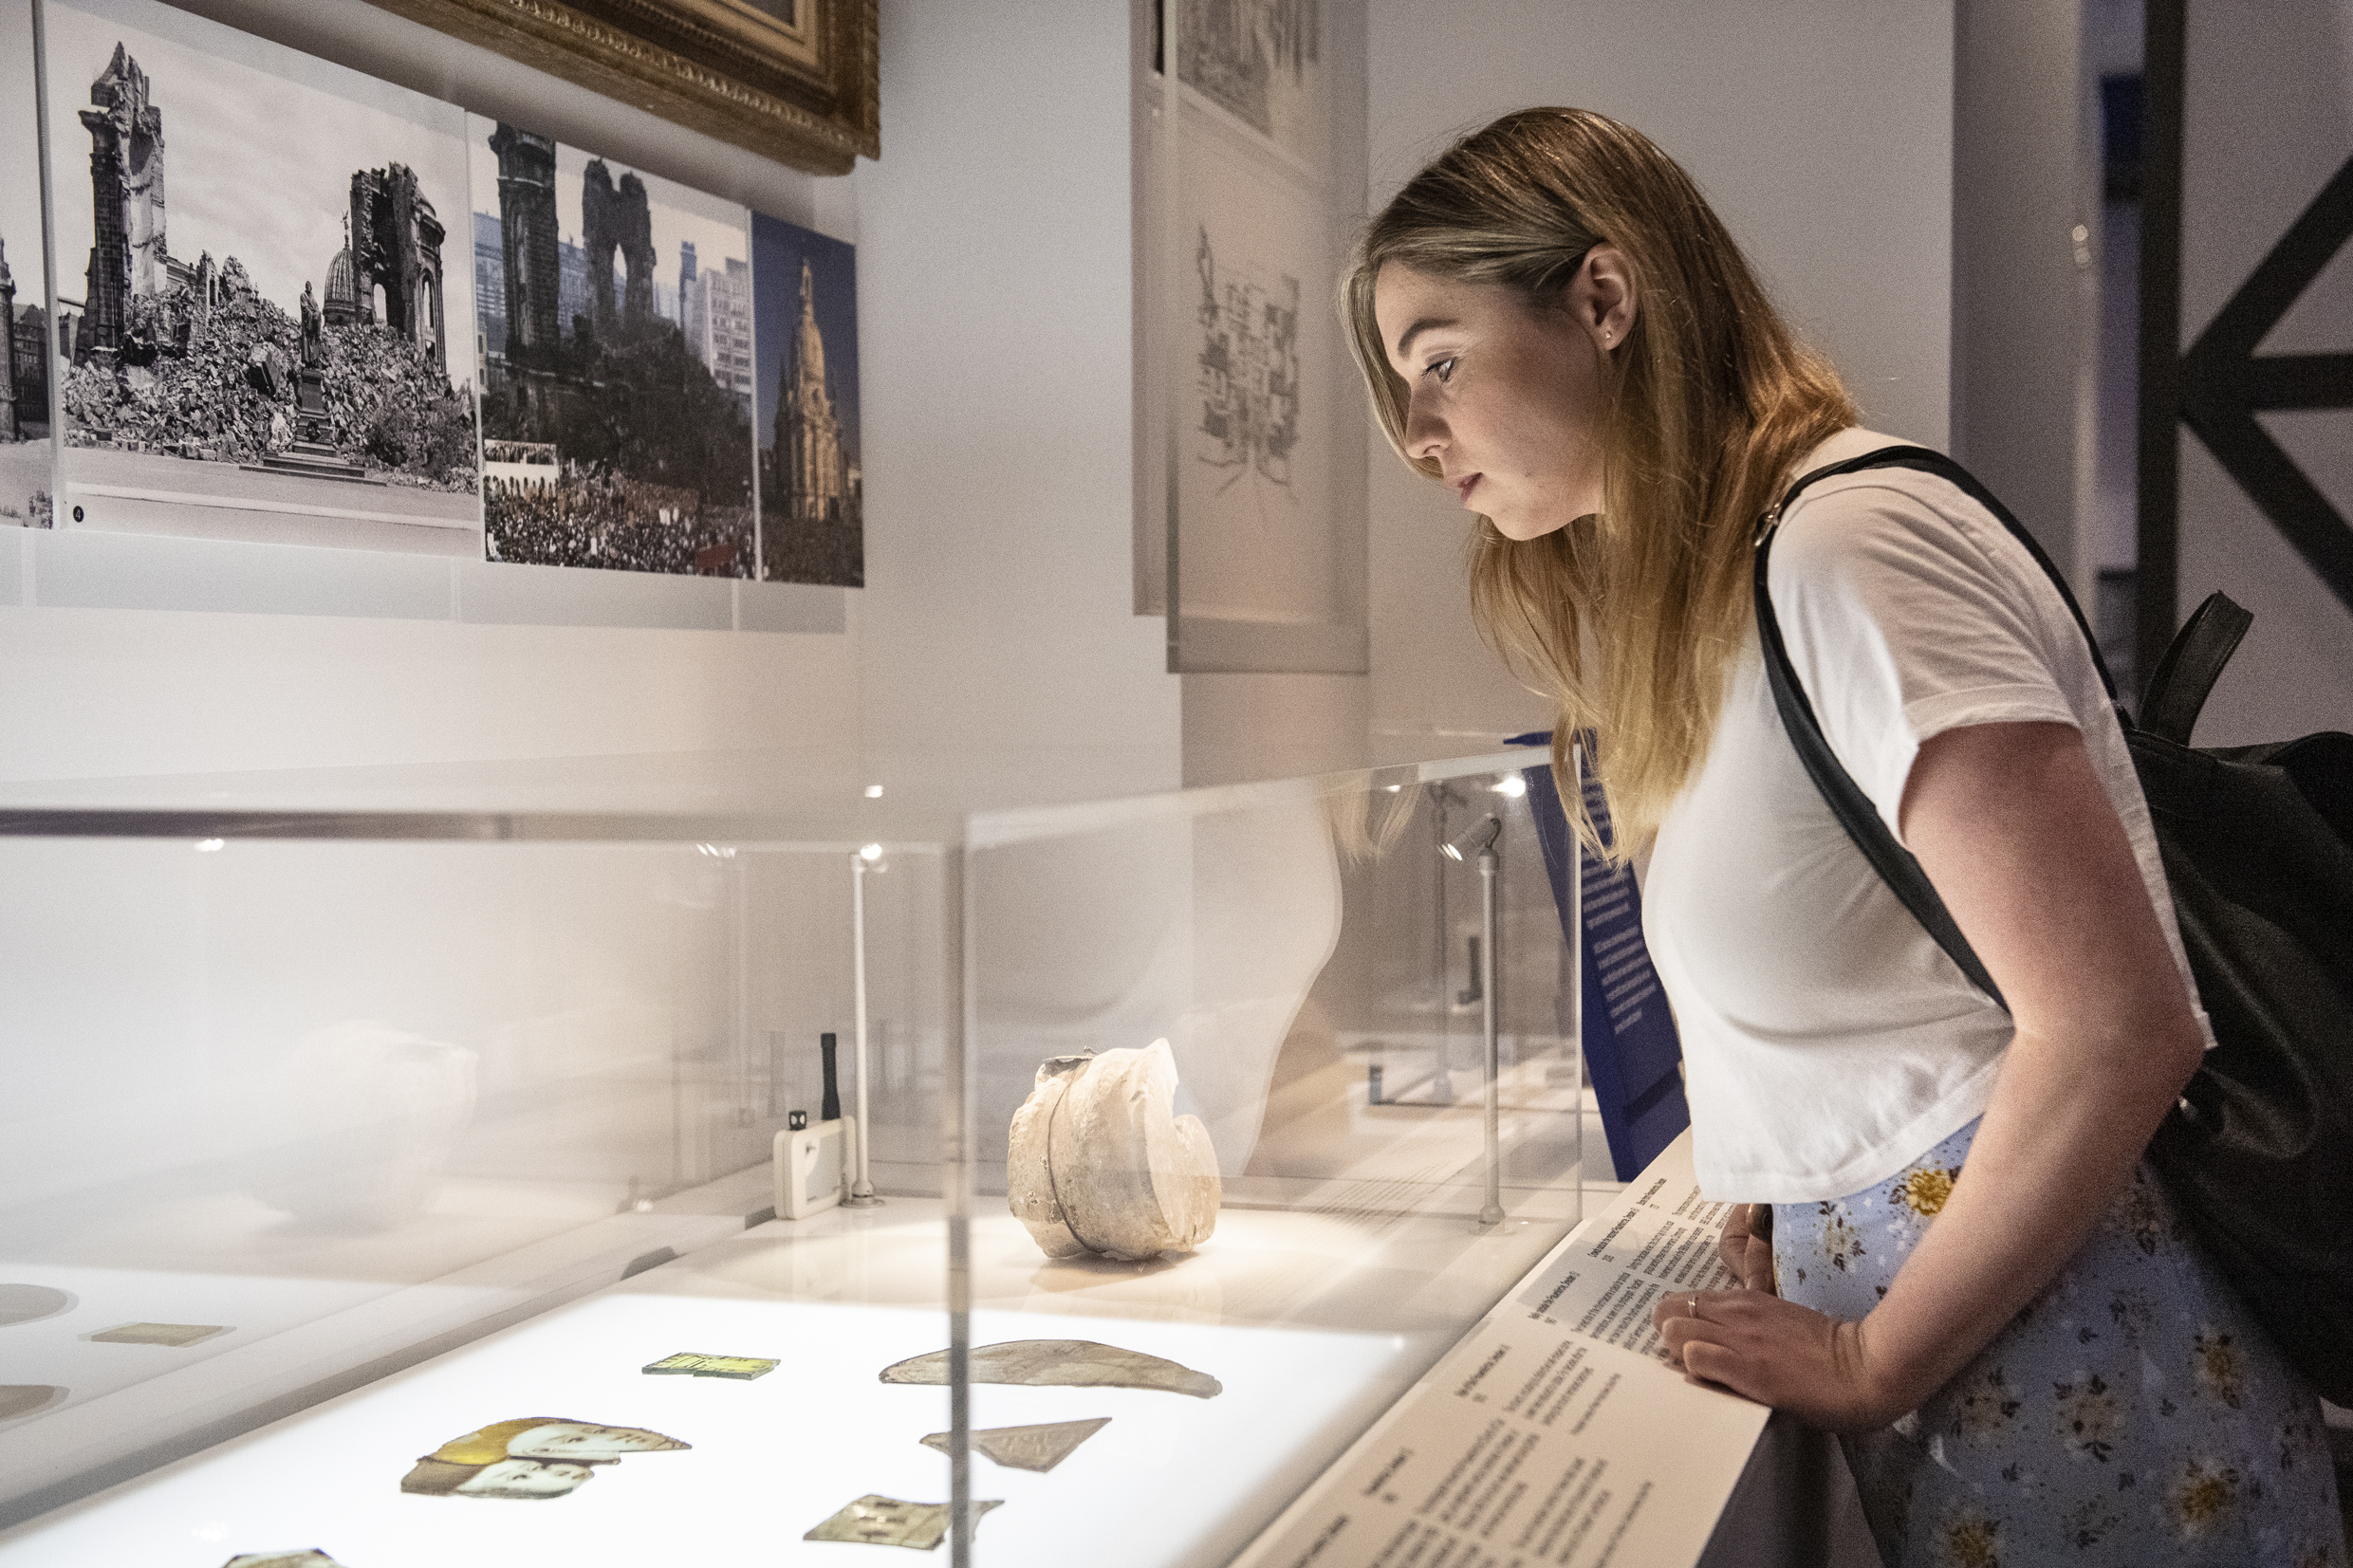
(464,1131)
(1321,973)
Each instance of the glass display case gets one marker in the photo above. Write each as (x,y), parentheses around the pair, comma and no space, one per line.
(382,1153)
(1384,1089)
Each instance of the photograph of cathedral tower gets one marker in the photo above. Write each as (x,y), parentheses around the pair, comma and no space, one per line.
(812,524)
(260,348)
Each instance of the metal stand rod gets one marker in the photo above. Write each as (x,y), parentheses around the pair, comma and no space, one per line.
(1493,1213)
(861,1185)
(960,1077)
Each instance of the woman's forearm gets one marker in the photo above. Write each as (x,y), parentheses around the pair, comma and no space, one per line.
(2011,824)
(2014,829)
(2058,1143)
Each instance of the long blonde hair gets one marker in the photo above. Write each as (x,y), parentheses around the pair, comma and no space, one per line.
(1712,401)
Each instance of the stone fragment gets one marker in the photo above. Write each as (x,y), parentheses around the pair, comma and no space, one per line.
(688,1363)
(532,1459)
(1099,1162)
(24,1398)
(1039,1447)
(1062,1363)
(878,1521)
(175,1334)
(23,1304)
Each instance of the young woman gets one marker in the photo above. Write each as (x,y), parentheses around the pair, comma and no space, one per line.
(1969,1271)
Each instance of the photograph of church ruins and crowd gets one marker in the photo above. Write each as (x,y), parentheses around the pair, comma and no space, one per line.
(617,372)
(284,341)
(262,346)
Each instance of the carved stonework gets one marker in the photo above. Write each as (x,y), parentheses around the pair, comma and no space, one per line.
(395,246)
(126,189)
(1099,1162)
(527,211)
(617,219)
(808,432)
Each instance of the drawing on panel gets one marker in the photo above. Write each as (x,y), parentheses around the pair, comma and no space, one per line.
(261,349)
(1248,373)
(812,487)
(617,362)
(529,1459)
(24,286)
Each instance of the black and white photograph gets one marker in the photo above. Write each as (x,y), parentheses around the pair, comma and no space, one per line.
(617,362)
(1260,62)
(25,450)
(812,524)
(271,346)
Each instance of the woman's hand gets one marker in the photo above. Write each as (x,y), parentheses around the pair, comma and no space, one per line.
(1746,1245)
(1782,1354)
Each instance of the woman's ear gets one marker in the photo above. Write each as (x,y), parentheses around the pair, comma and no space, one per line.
(1602,296)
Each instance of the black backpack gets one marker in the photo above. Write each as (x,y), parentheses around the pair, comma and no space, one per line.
(2258,848)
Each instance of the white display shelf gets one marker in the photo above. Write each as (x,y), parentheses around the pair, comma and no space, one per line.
(1313,1322)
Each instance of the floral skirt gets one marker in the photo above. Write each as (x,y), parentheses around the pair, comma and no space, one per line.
(2133,1415)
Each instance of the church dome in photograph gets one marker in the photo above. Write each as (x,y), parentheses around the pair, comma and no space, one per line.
(342,305)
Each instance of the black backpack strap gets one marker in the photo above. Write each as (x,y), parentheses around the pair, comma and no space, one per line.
(1925,460)
(2192,664)
(1894,864)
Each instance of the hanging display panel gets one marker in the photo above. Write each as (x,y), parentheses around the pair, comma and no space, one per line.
(25,450)
(812,481)
(270,347)
(1250,439)
(617,362)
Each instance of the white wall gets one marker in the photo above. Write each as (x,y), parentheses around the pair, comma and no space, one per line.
(2270,118)
(2026,300)
(995,301)
(1821,130)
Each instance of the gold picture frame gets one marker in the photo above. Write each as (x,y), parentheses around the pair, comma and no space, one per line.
(791,80)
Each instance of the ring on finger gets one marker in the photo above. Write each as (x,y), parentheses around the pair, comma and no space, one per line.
(1695,1304)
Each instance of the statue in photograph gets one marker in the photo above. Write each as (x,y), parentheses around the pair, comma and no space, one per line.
(314,343)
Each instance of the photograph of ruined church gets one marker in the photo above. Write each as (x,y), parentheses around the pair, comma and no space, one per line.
(806,288)
(257,324)
(24,286)
(616,363)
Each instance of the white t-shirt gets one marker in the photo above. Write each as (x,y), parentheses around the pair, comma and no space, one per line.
(1828,1041)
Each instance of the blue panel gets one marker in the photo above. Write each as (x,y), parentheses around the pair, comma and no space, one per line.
(1631,1048)
(82,570)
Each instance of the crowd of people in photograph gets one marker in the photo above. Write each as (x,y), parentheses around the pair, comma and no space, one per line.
(617,524)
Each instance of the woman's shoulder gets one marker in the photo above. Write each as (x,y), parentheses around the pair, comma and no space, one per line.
(1899,517)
